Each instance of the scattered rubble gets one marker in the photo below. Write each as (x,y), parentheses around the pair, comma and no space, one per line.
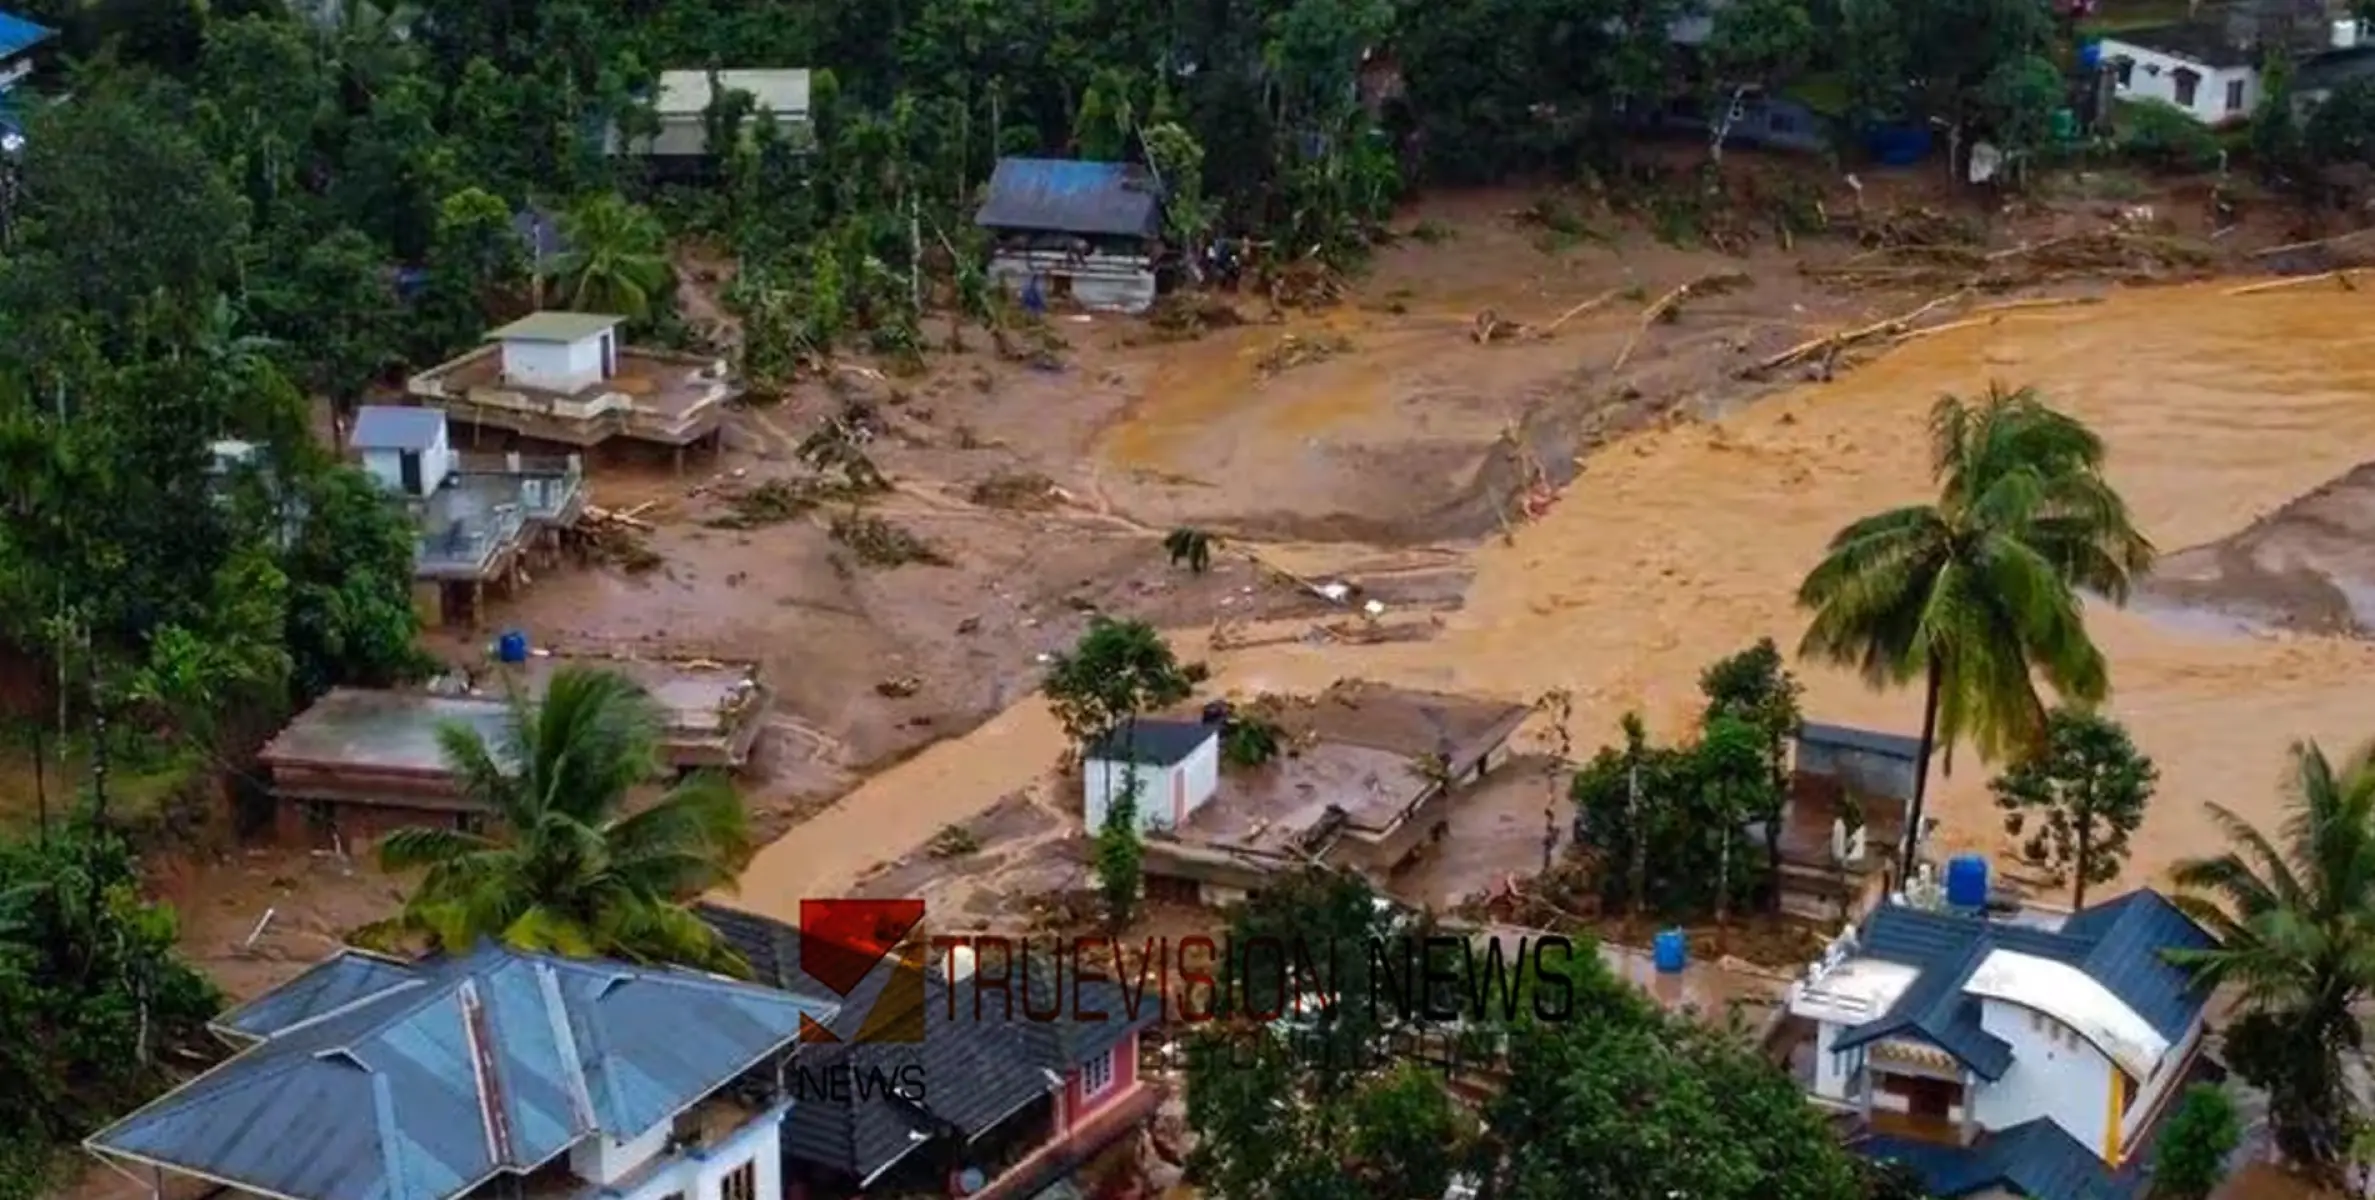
(1295,350)
(879,543)
(1026,491)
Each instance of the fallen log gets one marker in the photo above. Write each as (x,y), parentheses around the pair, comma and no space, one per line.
(1712,282)
(1577,311)
(598,515)
(2313,243)
(2342,278)
(1831,343)
(1994,315)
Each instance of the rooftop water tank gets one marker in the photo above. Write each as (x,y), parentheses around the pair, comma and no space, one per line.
(1966,881)
(1670,951)
(512,647)
(2090,55)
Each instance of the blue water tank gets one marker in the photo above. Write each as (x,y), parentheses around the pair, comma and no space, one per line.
(512,647)
(1670,951)
(2090,55)
(1966,881)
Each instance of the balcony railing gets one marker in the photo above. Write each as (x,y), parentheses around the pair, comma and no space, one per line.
(469,545)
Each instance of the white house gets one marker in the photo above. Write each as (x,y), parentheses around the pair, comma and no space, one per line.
(2008,1058)
(496,1070)
(564,352)
(682,106)
(1177,764)
(2207,70)
(406,449)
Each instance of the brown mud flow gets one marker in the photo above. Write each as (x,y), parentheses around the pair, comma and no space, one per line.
(1677,545)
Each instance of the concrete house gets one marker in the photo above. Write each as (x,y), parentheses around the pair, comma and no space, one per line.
(2028,1057)
(521,1073)
(566,378)
(993,1088)
(2210,71)
(682,105)
(1082,231)
(1177,764)
(481,519)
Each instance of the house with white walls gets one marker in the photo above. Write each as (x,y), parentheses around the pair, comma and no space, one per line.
(2028,1057)
(569,378)
(1176,764)
(2210,71)
(496,1072)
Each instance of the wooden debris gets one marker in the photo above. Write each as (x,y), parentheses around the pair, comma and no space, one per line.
(597,515)
(1832,343)
(1489,328)
(2322,243)
(2343,278)
(1713,283)
(1294,351)
(1580,309)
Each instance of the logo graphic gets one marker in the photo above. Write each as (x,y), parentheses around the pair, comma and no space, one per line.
(843,947)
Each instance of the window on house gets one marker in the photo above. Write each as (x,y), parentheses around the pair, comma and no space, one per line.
(2234,95)
(2187,82)
(741,1183)
(1096,1075)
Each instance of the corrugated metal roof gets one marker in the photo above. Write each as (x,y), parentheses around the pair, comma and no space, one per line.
(1059,195)
(330,984)
(1894,745)
(555,327)
(687,94)
(396,427)
(2118,944)
(1153,742)
(401,1095)
(18,35)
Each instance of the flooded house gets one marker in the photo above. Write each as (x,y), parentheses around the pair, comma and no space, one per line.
(1086,232)
(480,519)
(1843,822)
(568,379)
(361,762)
(2028,1054)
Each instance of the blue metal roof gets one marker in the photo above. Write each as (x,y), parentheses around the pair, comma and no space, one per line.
(1057,195)
(2119,943)
(1894,745)
(2034,1158)
(383,1097)
(396,427)
(328,985)
(18,35)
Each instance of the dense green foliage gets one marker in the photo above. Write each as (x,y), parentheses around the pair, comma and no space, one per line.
(566,867)
(2202,1131)
(92,995)
(1976,593)
(2086,791)
(1119,670)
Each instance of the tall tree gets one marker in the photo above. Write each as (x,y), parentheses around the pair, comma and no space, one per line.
(1755,686)
(2291,914)
(615,260)
(566,868)
(2087,789)
(1976,593)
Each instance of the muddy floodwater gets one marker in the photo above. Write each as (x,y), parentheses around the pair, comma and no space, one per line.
(1677,545)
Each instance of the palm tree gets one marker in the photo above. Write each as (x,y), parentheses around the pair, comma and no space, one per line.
(2295,919)
(567,870)
(615,260)
(1977,591)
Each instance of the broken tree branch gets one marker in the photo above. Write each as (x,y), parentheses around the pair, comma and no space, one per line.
(1714,281)
(1579,310)
(2342,278)
(1831,343)
(2313,243)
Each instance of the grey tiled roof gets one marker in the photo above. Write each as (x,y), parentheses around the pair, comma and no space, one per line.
(979,1069)
(2119,943)
(1894,745)
(396,427)
(454,1071)
(1153,742)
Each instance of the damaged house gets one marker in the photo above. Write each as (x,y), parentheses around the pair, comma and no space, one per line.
(1088,232)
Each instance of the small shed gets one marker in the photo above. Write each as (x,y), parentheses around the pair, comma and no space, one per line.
(559,351)
(18,39)
(406,449)
(1178,766)
(1087,231)
(1859,762)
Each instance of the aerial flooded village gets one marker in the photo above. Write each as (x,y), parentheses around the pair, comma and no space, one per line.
(1731,599)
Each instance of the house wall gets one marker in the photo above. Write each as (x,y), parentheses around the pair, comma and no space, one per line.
(2152,75)
(2054,1073)
(2151,1092)
(1165,794)
(351,828)
(1108,283)
(1080,1106)
(699,1172)
(556,366)
(387,466)
(601,1160)
(1832,1069)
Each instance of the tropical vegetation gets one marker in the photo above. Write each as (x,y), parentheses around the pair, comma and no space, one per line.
(1978,593)
(565,862)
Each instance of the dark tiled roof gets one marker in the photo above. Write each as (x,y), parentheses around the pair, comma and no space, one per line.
(2334,68)
(1153,742)
(2205,42)
(382,1097)
(979,1065)
(396,427)
(2118,943)
(1869,741)
(1059,195)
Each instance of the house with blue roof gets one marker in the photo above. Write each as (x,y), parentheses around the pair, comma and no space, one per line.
(1088,232)
(2029,1057)
(494,1073)
(19,38)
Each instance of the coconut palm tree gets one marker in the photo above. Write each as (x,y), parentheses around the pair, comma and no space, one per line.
(615,258)
(1976,592)
(566,869)
(2295,919)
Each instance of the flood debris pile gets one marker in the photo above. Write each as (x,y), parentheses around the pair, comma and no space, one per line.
(771,502)
(1295,350)
(1021,491)
(881,543)
(1185,314)
(616,537)
(1921,249)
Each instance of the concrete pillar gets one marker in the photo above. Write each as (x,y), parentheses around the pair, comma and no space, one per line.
(511,461)
(680,460)
(478,604)
(577,464)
